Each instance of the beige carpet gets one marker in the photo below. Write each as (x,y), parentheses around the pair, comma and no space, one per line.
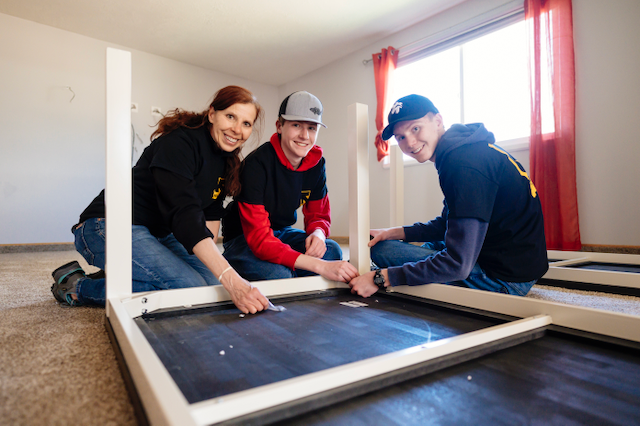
(57,366)
(588,299)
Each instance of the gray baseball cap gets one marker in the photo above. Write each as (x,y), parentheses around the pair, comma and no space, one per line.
(301,106)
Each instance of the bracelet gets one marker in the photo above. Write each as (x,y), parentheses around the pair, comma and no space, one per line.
(223,272)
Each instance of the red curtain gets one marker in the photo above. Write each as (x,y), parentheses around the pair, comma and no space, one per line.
(384,63)
(552,155)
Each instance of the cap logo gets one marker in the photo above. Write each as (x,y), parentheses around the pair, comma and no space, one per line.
(395,109)
(316,110)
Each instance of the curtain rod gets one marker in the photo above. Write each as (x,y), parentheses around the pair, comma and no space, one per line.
(366,61)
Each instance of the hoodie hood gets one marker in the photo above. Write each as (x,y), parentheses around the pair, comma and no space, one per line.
(312,158)
(461,134)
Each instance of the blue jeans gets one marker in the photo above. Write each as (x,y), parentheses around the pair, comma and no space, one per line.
(397,253)
(240,256)
(157,263)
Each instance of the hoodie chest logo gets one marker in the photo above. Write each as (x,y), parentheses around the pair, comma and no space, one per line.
(304,197)
(218,189)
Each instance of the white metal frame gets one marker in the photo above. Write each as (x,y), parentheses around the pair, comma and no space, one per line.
(359,186)
(562,270)
(164,403)
(118,172)
(396,187)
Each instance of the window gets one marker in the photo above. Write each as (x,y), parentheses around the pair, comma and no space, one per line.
(482,80)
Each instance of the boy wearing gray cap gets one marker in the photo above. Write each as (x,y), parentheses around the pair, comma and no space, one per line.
(280,176)
(490,235)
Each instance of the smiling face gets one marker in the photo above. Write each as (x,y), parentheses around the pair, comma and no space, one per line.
(419,138)
(231,127)
(296,139)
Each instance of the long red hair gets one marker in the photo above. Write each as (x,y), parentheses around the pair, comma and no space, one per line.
(222,100)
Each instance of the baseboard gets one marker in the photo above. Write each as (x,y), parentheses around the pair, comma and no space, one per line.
(32,248)
(38,247)
(340,240)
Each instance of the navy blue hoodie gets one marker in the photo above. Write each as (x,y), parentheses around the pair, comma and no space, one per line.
(491,215)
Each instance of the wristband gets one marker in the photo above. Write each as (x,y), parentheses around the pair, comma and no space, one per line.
(223,272)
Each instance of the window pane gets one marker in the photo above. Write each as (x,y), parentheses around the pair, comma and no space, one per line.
(495,86)
(496,82)
(436,77)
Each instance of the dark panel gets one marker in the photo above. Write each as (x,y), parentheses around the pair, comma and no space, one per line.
(313,334)
(549,381)
(601,266)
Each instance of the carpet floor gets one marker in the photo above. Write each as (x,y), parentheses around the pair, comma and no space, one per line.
(57,366)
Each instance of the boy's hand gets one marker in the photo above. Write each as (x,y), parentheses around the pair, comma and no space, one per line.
(338,270)
(363,285)
(396,233)
(315,245)
(377,235)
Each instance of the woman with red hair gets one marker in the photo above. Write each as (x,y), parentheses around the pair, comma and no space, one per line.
(179,185)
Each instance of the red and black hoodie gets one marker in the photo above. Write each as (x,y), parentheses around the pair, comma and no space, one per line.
(272,191)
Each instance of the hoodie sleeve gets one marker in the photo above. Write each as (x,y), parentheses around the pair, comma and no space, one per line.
(260,239)
(434,230)
(317,215)
(464,239)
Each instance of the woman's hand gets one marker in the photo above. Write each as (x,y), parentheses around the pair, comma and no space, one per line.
(246,297)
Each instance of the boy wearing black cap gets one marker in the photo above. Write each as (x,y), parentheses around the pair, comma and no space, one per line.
(277,178)
(490,235)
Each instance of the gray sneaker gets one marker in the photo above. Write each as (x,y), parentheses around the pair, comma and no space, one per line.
(65,282)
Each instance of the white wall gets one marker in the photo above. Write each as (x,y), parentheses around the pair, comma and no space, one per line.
(606,38)
(52,150)
(608,103)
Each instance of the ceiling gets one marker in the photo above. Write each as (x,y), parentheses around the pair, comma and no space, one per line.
(268,41)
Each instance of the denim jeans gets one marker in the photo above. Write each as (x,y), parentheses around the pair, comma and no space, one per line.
(396,253)
(240,256)
(157,263)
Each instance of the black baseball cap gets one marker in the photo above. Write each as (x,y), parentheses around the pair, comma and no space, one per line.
(410,107)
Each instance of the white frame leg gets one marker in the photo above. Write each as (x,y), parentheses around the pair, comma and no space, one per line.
(118,174)
(359,216)
(396,188)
